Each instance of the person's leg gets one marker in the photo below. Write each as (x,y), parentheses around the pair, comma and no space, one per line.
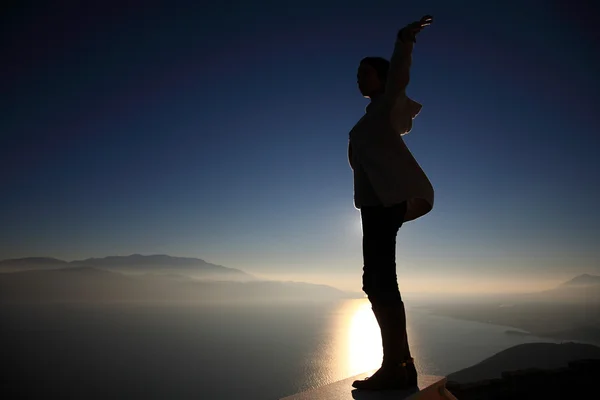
(380,227)
(397,218)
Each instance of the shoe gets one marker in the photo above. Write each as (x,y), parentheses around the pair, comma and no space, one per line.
(393,377)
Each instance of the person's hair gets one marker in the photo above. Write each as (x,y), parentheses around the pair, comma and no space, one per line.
(380,64)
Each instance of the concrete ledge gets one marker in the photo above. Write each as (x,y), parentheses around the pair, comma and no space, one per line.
(429,388)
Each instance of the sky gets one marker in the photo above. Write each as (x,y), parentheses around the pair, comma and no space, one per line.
(220,132)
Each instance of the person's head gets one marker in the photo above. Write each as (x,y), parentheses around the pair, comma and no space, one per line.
(371,76)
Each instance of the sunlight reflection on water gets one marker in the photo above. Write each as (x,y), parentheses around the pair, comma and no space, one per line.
(355,342)
(363,340)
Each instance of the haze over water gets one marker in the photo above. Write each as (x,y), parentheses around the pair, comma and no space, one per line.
(221,352)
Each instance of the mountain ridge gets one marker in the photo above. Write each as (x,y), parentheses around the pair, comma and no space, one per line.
(583,280)
(96,285)
(134,263)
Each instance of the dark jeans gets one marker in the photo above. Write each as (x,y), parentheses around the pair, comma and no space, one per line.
(380,226)
(380,282)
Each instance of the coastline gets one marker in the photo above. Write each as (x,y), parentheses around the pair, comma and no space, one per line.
(544,326)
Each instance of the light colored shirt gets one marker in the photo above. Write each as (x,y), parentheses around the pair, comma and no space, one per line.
(385,171)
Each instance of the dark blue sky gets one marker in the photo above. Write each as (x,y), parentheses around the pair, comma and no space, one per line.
(221,132)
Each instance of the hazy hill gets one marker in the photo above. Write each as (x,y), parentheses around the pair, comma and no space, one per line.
(86,284)
(526,356)
(581,289)
(134,264)
(583,280)
(571,311)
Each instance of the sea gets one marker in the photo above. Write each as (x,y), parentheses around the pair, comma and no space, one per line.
(244,351)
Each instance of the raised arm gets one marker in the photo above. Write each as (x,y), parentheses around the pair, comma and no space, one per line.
(399,71)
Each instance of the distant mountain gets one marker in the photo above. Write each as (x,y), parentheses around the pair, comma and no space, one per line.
(583,280)
(135,263)
(570,311)
(581,289)
(92,285)
(526,356)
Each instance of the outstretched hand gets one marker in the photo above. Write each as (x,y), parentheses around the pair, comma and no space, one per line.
(413,28)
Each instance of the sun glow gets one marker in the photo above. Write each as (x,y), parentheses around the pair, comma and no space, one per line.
(357,341)
(363,340)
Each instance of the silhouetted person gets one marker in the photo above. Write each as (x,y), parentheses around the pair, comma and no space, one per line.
(389,189)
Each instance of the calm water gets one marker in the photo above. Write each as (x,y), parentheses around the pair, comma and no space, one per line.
(219,352)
